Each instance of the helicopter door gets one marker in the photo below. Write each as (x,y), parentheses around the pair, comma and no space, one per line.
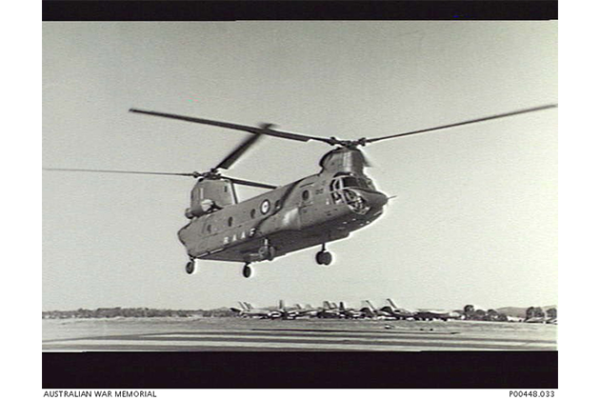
(307,212)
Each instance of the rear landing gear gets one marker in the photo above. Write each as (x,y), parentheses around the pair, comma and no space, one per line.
(324,257)
(247,271)
(190,267)
(266,251)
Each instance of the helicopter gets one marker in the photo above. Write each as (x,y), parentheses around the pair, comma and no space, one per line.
(311,211)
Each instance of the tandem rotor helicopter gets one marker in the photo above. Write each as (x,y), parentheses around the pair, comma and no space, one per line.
(311,211)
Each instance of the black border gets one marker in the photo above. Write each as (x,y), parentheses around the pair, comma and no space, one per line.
(237,370)
(296,10)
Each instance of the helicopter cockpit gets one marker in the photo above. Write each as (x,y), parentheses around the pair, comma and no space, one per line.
(342,191)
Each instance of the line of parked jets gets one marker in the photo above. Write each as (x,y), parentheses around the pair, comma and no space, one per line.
(332,310)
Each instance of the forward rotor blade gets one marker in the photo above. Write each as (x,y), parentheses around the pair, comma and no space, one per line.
(112,171)
(472,121)
(249,183)
(264,129)
(237,153)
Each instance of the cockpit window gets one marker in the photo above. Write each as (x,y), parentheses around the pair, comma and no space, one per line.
(351,181)
(335,185)
(342,182)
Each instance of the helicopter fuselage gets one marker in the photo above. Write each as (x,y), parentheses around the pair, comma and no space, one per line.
(312,211)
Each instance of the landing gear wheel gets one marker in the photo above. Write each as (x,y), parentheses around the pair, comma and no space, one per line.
(324,258)
(190,267)
(271,253)
(266,251)
(247,271)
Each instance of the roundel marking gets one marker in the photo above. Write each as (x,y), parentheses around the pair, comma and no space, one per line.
(265,206)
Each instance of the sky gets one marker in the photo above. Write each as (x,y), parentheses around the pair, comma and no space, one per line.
(474,220)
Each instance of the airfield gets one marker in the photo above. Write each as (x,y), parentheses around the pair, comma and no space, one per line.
(242,334)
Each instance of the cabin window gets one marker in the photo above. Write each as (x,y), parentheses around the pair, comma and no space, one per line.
(230,221)
(265,206)
(305,195)
(252,213)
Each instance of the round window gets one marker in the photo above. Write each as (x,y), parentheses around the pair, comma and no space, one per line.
(265,206)
(230,221)
(305,195)
(253,213)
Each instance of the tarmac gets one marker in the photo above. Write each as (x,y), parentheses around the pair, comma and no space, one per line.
(241,334)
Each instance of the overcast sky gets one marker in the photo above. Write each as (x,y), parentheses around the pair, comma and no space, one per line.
(475,217)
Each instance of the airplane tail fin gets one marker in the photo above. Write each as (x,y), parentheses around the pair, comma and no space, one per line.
(243,306)
(248,306)
(281,305)
(342,306)
(367,308)
(392,304)
(370,305)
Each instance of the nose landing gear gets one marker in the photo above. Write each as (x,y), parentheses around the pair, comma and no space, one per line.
(324,257)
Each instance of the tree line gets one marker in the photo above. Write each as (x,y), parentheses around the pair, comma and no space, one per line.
(470,313)
(139,312)
(538,312)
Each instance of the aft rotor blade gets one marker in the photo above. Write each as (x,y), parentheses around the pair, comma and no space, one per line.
(249,183)
(191,174)
(264,129)
(472,121)
(237,153)
(112,171)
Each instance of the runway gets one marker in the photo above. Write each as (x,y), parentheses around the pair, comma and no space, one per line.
(236,334)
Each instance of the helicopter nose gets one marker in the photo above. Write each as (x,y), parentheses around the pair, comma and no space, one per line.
(365,202)
(375,200)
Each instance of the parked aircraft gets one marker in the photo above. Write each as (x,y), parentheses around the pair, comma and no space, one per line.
(398,313)
(370,311)
(291,312)
(329,310)
(306,311)
(430,315)
(248,311)
(349,313)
